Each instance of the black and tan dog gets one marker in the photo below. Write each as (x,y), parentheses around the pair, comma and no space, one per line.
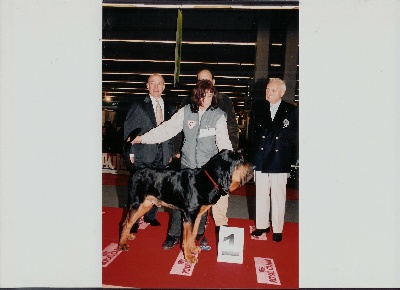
(193,191)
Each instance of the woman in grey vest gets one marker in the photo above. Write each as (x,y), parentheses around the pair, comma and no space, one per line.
(205,133)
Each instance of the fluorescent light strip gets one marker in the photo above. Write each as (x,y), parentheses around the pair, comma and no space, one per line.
(276,44)
(172,61)
(127,82)
(123,89)
(184,42)
(274,64)
(236,93)
(210,6)
(233,77)
(231,86)
(192,84)
(182,75)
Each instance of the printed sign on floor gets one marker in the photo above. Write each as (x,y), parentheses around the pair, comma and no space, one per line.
(142,224)
(110,253)
(266,271)
(181,267)
(230,245)
(263,237)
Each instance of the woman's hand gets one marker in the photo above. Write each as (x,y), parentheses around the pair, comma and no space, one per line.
(138,139)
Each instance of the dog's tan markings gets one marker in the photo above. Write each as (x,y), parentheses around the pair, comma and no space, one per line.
(189,236)
(241,174)
(132,217)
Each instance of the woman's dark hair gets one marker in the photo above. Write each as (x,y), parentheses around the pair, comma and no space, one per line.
(199,92)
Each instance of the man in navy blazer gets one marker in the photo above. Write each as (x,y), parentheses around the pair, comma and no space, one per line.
(142,114)
(273,133)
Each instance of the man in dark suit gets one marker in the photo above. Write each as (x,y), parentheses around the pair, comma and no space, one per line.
(273,132)
(147,114)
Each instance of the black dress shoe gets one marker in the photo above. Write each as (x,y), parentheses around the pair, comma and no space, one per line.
(134,228)
(259,232)
(154,223)
(170,242)
(277,237)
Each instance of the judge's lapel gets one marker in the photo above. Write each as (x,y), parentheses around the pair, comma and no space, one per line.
(167,111)
(148,106)
(280,115)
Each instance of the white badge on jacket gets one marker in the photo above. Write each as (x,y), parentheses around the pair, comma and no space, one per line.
(207,132)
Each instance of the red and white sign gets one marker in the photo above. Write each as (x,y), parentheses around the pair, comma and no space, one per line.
(266,271)
(263,237)
(110,253)
(142,224)
(181,267)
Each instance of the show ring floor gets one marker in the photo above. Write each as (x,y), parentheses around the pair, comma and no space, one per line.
(147,265)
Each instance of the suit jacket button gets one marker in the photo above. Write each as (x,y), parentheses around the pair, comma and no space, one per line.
(277,137)
(262,148)
(276,150)
(263,137)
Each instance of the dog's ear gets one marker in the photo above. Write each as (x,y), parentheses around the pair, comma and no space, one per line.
(225,174)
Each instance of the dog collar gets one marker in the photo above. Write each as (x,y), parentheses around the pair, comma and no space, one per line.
(212,180)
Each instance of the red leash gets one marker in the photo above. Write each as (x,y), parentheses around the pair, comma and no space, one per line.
(212,180)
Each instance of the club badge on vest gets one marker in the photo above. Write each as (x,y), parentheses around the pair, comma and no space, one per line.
(191,124)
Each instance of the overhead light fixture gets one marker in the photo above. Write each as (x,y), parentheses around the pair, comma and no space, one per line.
(107,98)
(183,42)
(237,93)
(171,61)
(208,6)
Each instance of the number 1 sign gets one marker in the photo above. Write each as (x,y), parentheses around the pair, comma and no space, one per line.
(230,245)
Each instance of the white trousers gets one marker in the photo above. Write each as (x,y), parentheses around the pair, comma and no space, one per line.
(270,193)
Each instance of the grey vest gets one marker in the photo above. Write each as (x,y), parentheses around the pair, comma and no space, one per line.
(197,151)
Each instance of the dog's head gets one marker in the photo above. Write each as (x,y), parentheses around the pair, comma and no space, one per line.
(229,170)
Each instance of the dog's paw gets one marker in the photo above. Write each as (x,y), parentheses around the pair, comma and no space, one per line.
(195,250)
(123,247)
(191,259)
(131,236)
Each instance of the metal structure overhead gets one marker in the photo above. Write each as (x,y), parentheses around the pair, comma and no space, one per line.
(140,39)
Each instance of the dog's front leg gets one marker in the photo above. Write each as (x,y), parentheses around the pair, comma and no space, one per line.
(189,236)
(203,210)
(131,218)
(188,243)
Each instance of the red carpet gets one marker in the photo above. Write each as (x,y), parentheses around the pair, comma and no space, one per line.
(247,190)
(147,265)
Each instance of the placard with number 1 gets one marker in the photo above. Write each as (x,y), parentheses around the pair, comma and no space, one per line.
(230,245)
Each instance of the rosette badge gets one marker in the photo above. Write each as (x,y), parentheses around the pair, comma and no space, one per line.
(285,123)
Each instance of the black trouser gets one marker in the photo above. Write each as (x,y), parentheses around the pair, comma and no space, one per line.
(175,229)
(157,164)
